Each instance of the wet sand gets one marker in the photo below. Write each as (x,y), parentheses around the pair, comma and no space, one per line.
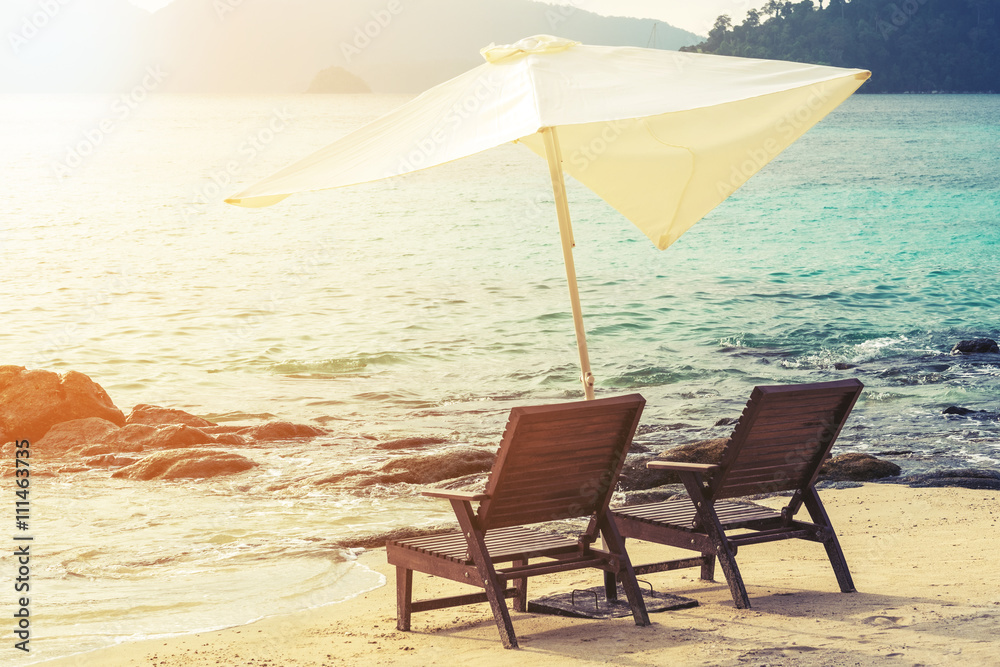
(925,562)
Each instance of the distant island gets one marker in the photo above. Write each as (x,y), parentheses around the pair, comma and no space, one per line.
(915,46)
(337,80)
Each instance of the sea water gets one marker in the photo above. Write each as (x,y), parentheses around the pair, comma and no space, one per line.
(427,306)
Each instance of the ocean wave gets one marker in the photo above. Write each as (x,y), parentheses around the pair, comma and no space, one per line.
(652,376)
(336,366)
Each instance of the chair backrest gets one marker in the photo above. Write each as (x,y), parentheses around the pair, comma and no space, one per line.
(559,461)
(783,437)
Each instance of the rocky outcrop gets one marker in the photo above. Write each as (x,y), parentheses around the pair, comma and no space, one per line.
(156,415)
(420,468)
(97,437)
(966,478)
(232,439)
(337,80)
(637,477)
(410,443)
(72,434)
(182,464)
(984,415)
(131,438)
(177,436)
(976,346)
(32,402)
(857,467)
(272,431)
(94,436)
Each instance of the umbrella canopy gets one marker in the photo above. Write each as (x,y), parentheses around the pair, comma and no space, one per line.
(662,136)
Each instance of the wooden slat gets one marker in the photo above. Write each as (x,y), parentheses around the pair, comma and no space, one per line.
(775,459)
(585,462)
(503,544)
(789,434)
(591,446)
(749,475)
(681,513)
(562,463)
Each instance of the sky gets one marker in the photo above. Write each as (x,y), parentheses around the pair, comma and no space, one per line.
(150,5)
(50,44)
(698,16)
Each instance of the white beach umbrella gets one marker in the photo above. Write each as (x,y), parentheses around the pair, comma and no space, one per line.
(662,136)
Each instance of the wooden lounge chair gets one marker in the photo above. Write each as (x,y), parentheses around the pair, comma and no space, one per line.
(554,462)
(782,438)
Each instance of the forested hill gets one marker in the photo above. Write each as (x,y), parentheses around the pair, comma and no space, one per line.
(909,45)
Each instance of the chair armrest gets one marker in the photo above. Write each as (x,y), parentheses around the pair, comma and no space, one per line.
(449,494)
(677,466)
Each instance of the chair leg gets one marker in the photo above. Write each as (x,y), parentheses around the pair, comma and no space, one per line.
(404,598)
(616,545)
(833,551)
(708,567)
(727,560)
(495,592)
(521,600)
(610,587)
(611,581)
(723,551)
(498,603)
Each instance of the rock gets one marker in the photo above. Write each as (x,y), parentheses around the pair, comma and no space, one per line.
(177,436)
(337,80)
(410,443)
(133,438)
(109,461)
(234,439)
(420,468)
(104,449)
(976,346)
(857,467)
(223,428)
(653,495)
(141,437)
(31,402)
(65,436)
(155,415)
(966,478)
(430,468)
(280,431)
(637,477)
(956,410)
(185,464)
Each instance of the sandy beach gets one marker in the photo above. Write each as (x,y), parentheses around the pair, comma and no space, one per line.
(924,562)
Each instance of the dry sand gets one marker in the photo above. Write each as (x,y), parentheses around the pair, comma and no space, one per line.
(925,562)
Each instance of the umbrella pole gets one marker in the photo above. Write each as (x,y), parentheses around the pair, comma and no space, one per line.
(554,158)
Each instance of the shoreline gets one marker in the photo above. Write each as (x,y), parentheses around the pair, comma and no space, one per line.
(922,558)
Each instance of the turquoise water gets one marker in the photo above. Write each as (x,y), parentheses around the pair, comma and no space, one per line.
(429,305)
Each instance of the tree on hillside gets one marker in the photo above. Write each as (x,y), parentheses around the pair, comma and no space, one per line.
(910,45)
